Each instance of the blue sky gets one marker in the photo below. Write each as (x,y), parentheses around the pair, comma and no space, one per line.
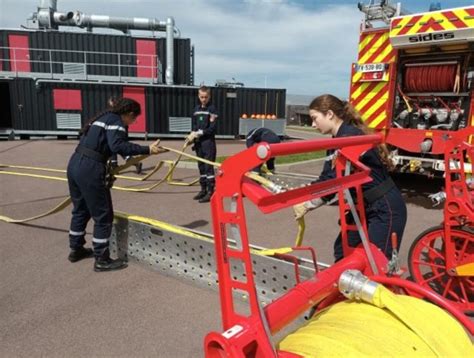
(304,46)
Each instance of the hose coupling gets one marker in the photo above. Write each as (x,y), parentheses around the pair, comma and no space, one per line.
(355,286)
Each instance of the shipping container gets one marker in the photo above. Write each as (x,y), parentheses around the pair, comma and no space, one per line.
(52,107)
(52,82)
(94,56)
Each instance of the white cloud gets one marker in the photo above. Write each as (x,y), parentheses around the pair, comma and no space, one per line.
(302,49)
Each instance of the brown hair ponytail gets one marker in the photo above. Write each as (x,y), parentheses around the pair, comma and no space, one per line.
(120,105)
(346,111)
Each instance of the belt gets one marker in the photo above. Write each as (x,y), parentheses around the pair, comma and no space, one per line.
(378,191)
(92,154)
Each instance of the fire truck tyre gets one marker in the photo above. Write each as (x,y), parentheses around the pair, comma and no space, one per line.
(427,263)
(393,326)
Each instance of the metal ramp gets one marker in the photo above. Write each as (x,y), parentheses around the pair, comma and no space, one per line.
(189,256)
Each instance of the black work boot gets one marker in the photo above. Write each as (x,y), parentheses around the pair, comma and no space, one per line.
(138,168)
(206,198)
(201,194)
(108,264)
(79,254)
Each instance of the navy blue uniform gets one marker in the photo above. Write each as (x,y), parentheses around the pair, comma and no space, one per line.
(258,135)
(205,144)
(86,173)
(385,213)
(114,158)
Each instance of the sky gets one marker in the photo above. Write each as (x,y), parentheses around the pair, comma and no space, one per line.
(304,46)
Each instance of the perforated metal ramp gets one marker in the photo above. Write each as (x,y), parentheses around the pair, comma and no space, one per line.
(184,254)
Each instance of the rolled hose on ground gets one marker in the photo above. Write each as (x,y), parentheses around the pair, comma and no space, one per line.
(387,325)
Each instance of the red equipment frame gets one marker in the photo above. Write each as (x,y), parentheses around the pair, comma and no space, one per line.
(248,334)
(442,258)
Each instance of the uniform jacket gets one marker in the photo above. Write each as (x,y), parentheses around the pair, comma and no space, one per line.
(371,158)
(108,135)
(261,135)
(201,120)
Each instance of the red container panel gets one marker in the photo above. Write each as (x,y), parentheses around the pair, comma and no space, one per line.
(67,99)
(19,53)
(138,94)
(146,58)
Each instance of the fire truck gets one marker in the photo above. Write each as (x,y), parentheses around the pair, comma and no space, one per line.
(414,80)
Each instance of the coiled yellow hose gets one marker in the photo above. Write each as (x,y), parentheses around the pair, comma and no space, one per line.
(392,326)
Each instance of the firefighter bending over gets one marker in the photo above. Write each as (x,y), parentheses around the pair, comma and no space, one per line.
(259,135)
(90,182)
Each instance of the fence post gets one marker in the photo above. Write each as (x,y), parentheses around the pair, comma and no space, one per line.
(51,64)
(119,67)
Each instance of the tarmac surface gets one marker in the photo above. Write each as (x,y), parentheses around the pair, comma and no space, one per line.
(52,308)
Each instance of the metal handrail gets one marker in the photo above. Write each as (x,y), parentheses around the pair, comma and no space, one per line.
(84,57)
(72,51)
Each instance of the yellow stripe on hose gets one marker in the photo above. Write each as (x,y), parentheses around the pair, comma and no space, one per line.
(273,252)
(56,209)
(301,230)
(162,225)
(32,175)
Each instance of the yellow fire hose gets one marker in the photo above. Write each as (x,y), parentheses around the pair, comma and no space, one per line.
(64,204)
(383,325)
(67,200)
(135,160)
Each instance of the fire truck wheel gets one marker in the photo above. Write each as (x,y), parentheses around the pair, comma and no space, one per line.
(427,263)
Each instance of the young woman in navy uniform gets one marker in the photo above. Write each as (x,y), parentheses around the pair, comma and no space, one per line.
(102,137)
(385,208)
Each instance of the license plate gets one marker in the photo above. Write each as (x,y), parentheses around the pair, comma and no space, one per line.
(371,67)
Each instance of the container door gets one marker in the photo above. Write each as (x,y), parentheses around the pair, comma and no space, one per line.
(6,113)
(138,94)
(146,58)
(19,53)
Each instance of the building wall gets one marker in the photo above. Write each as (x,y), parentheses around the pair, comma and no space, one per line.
(297,115)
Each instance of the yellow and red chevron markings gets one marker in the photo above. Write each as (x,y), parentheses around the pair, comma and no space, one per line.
(371,98)
(375,47)
(448,20)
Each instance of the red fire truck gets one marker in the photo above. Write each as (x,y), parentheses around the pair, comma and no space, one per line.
(414,80)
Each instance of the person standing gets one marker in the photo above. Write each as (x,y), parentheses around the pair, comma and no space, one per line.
(259,135)
(385,209)
(89,182)
(203,136)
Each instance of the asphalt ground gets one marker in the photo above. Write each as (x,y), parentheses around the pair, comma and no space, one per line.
(52,308)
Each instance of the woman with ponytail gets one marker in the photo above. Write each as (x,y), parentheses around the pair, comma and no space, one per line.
(384,205)
(104,136)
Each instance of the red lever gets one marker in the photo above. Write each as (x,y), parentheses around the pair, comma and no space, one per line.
(394,241)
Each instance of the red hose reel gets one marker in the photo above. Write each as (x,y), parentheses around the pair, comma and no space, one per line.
(431,78)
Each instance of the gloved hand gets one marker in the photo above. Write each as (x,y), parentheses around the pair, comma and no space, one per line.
(302,209)
(194,135)
(154,147)
(113,163)
(437,198)
(191,137)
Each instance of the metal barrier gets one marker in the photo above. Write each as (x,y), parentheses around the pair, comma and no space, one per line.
(80,65)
